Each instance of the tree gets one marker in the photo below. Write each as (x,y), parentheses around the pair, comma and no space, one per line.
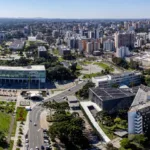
(125,143)
(69,129)
(19,142)
(84,92)
(110,146)
(2,137)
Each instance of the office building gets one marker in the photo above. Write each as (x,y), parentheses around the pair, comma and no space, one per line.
(139,112)
(22,74)
(64,51)
(127,78)
(124,39)
(42,51)
(112,99)
(108,45)
(122,52)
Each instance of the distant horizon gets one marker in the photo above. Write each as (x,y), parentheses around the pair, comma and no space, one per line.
(76,18)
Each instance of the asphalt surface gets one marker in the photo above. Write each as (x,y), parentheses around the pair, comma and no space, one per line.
(35,132)
(71,91)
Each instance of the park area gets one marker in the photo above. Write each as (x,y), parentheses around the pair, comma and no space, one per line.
(6,111)
(21,114)
(94,69)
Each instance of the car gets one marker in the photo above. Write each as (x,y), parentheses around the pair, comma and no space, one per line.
(44,130)
(45,137)
(69,90)
(46,141)
(34,124)
(42,147)
(27,144)
(27,141)
(36,148)
(64,97)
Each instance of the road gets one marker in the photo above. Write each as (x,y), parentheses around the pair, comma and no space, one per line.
(71,91)
(35,132)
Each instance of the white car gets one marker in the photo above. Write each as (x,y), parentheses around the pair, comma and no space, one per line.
(36,147)
(46,141)
(27,141)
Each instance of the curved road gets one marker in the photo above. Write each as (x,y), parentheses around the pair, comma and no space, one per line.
(35,132)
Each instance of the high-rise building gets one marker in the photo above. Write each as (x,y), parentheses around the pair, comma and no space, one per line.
(55,33)
(124,39)
(139,112)
(122,52)
(108,45)
(89,47)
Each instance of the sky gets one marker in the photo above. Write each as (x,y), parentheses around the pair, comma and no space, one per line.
(78,9)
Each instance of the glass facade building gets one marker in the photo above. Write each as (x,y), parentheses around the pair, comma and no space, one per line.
(23,74)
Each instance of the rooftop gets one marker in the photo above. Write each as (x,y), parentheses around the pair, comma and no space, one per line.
(26,68)
(113,93)
(142,99)
(72,98)
(42,48)
(17,44)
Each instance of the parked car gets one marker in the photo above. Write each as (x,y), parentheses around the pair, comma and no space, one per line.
(42,147)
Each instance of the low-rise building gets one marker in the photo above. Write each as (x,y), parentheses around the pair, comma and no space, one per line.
(112,99)
(127,78)
(42,51)
(34,74)
(73,102)
(17,44)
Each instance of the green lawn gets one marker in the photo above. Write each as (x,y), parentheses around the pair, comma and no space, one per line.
(104,66)
(5,120)
(21,114)
(85,62)
(89,76)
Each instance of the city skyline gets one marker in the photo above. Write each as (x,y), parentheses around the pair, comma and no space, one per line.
(84,9)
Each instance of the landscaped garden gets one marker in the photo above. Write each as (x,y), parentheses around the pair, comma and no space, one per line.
(112,122)
(21,114)
(7,107)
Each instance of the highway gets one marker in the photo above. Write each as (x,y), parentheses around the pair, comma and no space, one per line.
(35,132)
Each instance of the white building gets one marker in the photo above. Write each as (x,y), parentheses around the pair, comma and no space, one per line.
(138,114)
(108,45)
(80,45)
(122,52)
(89,47)
(120,79)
